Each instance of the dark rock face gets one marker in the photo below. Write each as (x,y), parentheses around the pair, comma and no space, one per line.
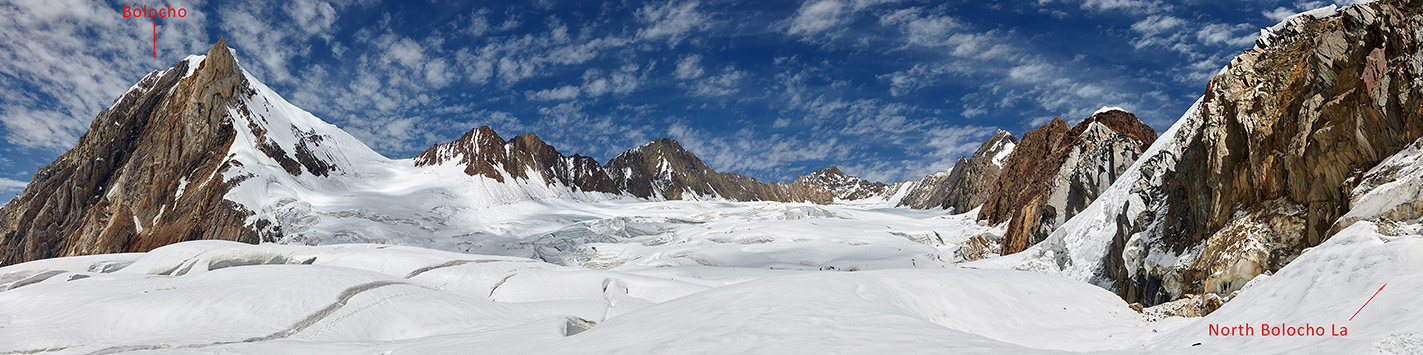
(118,189)
(663,169)
(1055,172)
(483,153)
(1279,139)
(962,188)
(659,169)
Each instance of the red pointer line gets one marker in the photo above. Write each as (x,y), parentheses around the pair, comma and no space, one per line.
(1366,303)
(155,39)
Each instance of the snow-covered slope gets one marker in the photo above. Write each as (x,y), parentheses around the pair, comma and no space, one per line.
(325,186)
(213,296)
(222,296)
(1077,248)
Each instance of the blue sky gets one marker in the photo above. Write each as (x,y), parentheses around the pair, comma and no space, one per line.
(886,90)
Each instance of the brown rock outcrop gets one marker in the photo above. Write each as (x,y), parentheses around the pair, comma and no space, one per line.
(1275,145)
(1057,171)
(118,189)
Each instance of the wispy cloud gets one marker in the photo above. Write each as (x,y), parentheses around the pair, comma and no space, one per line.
(726,83)
(825,17)
(1129,6)
(8,185)
(672,21)
(690,67)
(560,93)
(59,75)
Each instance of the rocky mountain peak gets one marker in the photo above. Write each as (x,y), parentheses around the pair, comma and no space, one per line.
(832,171)
(219,62)
(149,166)
(965,186)
(1121,122)
(1057,170)
(482,152)
(839,185)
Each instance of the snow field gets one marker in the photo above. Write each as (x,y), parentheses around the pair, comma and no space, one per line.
(281,298)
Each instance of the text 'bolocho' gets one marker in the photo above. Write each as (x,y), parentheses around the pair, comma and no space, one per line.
(145,11)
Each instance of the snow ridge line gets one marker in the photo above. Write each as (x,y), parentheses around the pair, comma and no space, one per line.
(33,279)
(324,312)
(36,351)
(333,322)
(453,263)
(500,283)
(309,321)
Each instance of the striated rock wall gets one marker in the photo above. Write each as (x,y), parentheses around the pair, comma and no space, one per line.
(118,189)
(1056,172)
(1263,166)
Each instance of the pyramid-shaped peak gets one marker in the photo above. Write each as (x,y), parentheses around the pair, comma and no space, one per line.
(665,143)
(482,132)
(219,58)
(832,170)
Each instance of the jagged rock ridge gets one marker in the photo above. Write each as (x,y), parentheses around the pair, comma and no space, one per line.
(1057,172)
(482,152)
(1263,165)
(964,187)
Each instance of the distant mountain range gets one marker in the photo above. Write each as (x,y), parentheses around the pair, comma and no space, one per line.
(204,151)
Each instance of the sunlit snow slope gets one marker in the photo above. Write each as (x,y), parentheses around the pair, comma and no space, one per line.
(211,296)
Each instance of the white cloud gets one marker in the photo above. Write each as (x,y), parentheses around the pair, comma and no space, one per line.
(1156,24)
(478,23)
(58,74)
(437,73)
(951,142)
(1279,14)
(8,185)
(1033,72)
(402,50)
(745,152)
(511,70)
(825,16)
(1194,40)
(672,21)
(726,83)
(970,112)
(816,16)
(1241,35)
(922,30)
(478,68)
(556,94)
(1135,6)
(313,17)
(690,67)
